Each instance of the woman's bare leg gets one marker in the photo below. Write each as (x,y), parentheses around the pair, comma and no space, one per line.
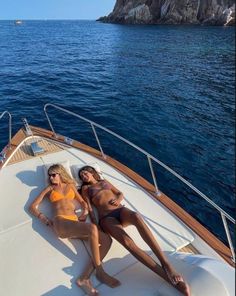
(85,231)
(129,217)
(105,242)
(115,229)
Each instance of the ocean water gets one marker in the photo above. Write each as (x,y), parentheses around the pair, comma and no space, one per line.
(168,89)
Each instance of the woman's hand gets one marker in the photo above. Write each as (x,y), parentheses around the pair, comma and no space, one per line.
(45,220)
(114,202)
(84,215)
(117,200)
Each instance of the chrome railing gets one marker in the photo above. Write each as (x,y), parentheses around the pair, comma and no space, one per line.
(2,153)
(150,158)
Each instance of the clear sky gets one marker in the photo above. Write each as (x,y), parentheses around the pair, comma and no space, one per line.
(54,9)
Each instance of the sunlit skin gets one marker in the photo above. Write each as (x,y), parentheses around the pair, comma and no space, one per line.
(107,198)
(65,228)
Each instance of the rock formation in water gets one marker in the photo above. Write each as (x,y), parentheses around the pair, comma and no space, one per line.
(209,12)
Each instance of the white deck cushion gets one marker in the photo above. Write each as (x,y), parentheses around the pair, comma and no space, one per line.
(75,171)
(205,275)
(51,265)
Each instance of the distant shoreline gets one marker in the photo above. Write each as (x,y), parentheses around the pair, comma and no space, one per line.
(175,12)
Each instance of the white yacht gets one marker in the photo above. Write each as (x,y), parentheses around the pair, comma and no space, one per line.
(18,22)
(35,262)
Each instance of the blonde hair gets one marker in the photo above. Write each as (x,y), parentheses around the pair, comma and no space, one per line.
(59,169)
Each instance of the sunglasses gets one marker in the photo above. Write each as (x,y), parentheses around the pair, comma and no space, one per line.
(52,175)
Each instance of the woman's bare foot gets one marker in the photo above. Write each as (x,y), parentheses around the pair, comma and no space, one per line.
(173,277)
(176,280)
(86,286)
(105,278)
(183,288)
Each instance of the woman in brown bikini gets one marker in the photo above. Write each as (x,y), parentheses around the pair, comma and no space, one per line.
(61,192)
(113,217)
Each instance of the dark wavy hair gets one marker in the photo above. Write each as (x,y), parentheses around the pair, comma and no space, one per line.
(90,170)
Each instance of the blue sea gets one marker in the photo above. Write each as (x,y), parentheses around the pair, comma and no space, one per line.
(168,89)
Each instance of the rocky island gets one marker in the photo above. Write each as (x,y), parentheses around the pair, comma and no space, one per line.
(206,12)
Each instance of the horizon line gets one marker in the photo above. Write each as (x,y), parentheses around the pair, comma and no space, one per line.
(49,19)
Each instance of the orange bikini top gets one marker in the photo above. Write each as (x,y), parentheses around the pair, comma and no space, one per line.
(55,195)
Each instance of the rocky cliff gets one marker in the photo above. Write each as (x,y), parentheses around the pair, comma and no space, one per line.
(210,12)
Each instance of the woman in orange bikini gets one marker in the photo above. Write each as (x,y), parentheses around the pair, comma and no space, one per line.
(113,217)
(61,192)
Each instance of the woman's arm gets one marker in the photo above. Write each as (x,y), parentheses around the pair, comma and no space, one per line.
(33,208)
(83,204)
(84,193)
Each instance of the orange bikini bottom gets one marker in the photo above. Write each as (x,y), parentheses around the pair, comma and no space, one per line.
(69,217)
